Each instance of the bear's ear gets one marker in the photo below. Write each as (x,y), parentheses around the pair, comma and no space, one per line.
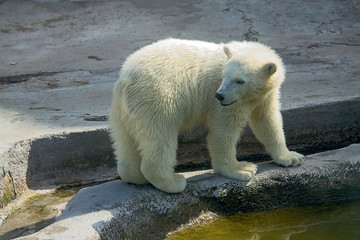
(227,52)
(269,69)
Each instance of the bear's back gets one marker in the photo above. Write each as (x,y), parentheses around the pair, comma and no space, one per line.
(172,75)
(174,58)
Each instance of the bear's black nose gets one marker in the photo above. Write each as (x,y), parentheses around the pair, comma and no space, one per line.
(219,96)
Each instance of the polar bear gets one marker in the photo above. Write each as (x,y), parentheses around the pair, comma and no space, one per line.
(173,85)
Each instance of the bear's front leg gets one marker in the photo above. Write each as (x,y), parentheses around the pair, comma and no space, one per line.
(266,124)
(222,148)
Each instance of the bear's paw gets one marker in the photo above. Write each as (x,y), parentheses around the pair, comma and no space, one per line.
(242,171)
(290,159)
(174,184)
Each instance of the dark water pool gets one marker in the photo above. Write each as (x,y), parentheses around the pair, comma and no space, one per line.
(340,221)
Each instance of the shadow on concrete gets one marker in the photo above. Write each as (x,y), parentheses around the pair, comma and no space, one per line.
(70,160)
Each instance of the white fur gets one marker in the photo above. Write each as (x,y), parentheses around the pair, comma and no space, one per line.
(170,86)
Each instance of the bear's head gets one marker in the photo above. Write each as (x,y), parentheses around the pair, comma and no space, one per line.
(252,71)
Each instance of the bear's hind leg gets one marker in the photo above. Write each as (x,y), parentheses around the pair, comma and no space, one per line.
(128,157)
(159,158)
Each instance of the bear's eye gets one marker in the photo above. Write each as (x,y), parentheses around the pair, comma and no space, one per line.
(239,81)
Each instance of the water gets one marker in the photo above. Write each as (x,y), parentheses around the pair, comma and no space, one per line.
(339,221)
(35,213)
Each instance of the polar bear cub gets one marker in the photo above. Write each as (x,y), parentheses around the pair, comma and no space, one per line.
(173,85)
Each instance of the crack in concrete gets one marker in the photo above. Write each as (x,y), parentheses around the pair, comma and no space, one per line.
(250,35)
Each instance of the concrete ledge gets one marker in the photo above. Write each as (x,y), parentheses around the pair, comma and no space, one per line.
(116,210)
(58,160)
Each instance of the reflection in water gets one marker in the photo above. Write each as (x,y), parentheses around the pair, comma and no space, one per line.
(322,222)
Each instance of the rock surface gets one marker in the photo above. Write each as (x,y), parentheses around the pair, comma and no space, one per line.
(117,210)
